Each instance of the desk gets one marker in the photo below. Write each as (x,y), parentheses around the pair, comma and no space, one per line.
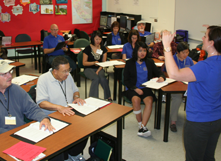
(176,87)
(28,44)
(17,65)
(80,129)
(28,85)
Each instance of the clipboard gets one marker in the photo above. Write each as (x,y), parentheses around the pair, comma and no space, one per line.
(60,45)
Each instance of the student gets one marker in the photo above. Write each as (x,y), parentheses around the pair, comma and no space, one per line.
(203,111)
(128,48)
(93,54)
(138,70)
(182,60)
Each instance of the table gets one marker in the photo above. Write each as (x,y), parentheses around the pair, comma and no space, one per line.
(28,85)
(176,87)
(79,129)
(17,65)
(28,44)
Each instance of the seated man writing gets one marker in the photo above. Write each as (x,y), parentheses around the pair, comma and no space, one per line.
(51,41)
(55,90)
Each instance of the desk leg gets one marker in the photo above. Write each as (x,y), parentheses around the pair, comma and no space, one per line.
(35,57)
(119,140)
(159,109)
(39,59)
(120,86)
(167,118)
(17,71)
(156,112)
(78,77)
(115,84)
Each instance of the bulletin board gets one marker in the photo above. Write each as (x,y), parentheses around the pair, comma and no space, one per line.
(32,23)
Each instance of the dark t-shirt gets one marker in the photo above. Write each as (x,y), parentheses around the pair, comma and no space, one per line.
(94,56)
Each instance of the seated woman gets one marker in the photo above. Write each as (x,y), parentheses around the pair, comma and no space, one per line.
(92,54)
(128,48)
(115,38)
(138,70)
(182,60)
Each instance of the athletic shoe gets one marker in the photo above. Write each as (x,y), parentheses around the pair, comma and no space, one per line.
(173,127)
(144,132)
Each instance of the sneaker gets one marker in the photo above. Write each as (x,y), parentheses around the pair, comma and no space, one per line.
(144,132)
(173,128)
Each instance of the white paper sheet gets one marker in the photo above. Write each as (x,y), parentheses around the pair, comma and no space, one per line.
(115,46)
(157,85)
(6,60)
(91,105)
(23,79)
(159,64)
(33,133)
(110,63)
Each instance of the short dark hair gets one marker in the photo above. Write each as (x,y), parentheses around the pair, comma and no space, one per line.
(182,46)
(115,24)
(215,35)
(57,61)
(94,34)
(131,33)
(138,45)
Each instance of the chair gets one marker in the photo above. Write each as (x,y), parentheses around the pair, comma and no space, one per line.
(23,38)
(80,65)
(77,33)
(4,56)
(81,43)
(84,35)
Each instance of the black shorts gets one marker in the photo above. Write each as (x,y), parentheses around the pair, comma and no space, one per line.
(146,92)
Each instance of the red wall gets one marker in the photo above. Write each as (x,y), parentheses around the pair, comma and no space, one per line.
(31,24)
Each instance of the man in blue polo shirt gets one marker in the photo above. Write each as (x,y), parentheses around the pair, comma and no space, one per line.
(51,41)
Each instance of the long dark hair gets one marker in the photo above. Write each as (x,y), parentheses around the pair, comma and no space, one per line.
(135,51)
(94,34)
(215,35)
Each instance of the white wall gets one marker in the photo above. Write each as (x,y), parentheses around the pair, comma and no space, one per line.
(162,10)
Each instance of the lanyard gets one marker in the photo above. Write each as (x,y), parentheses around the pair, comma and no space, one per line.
(179,62)
(7,108)
(64,92)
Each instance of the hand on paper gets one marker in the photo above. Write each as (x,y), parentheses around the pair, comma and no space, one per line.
(79,101)
(96,62)
(64,49)
(160,79)
(65,111)
(47,124)
(167,38)
(161,58)
(139,91)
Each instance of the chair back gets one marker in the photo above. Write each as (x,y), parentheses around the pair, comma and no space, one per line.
(81,43)
(2,33)
(22,38)
(77,33)
(80,59)
(44,33)
(84,35)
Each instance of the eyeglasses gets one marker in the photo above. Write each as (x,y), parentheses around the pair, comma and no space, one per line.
(67,71)
(54,29)
(4,74)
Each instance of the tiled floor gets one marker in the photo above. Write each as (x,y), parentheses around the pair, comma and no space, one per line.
(136,148)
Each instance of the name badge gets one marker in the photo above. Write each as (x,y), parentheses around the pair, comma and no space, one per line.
(10,120)
(99,51)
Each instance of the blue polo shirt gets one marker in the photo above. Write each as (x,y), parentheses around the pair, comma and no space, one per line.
(51,42)
(145,33)
(188,62)
(116,40)
(128,50)
(204,95)
(142,74)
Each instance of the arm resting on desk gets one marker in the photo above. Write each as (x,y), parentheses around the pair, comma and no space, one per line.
(48,51)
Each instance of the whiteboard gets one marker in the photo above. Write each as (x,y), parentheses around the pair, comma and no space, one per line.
(192,14)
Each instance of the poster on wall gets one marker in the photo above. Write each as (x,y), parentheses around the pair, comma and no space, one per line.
(82,11)
(61,1)
(33,7)
(24,2)
(17,10)
(6,17)
(45,1)
(61,9)
(47,9)
(9,2)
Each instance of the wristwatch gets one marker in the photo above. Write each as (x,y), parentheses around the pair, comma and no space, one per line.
(76,96)
(167,49)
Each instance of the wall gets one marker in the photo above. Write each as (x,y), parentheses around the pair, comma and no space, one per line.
(162,10)
(32,23)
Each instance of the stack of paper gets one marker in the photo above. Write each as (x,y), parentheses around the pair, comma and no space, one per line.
(110,63)
(6,60)
(185,82)
(115,46)
(91,105)
(159,64)
(157,85)
(33,133)
(23,79)
(25,151)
